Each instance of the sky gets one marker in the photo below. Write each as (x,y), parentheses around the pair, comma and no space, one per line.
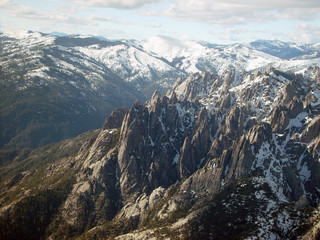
(214,21)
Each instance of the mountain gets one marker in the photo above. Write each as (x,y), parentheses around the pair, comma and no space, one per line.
(198,56)
(220,156)
(285,50)
(67,84)
(50,92)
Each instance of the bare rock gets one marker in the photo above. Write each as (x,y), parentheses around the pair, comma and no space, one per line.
(312,131)
(115,119)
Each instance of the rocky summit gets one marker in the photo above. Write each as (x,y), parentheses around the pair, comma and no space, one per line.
(231,155)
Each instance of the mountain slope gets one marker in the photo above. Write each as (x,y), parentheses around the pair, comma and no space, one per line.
(285,50)
(220,156)
(50,92)
(192,57)
(53,87)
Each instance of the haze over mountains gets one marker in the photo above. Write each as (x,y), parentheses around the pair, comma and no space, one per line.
(228,147)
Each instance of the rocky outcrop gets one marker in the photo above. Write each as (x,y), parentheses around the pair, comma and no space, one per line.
(141,204)
(180,158)
(311,136)
(290,90)
(279,119)
(229,77)
(234,126)
(96,193)
(115,119)
(195,149)
(189,88)
(151,140)
(312,131)
(234,163)
(178,152)
(282,115)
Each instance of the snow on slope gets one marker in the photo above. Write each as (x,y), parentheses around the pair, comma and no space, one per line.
(165,47)
(30,38)
(130,63)
(195,57)
(192,56)
(296,66)
(160,60)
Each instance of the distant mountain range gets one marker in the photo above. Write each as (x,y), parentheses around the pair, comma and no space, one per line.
(55,86)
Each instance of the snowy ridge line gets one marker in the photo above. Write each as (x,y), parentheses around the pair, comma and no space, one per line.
(162,60)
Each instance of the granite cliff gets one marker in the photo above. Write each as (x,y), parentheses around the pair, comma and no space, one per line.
(232,155)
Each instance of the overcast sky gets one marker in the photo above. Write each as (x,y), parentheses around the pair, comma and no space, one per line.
(215,21)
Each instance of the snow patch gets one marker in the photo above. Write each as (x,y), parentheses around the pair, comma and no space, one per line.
(176,159)
(298,121)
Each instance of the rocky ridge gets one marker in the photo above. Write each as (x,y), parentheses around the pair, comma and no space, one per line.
(238,152)
(49,79)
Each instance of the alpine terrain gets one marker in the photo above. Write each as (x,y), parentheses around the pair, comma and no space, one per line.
(231,152)
(56,87)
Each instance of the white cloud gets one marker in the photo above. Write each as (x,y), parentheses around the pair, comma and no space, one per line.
(231,34)
(300,33)
(5,3)
(63,15)
(229,12)
(17,10)
(122,4)
(155,25)
(306,33)
(264,4)
(100,18)
(149,13)
(224,16)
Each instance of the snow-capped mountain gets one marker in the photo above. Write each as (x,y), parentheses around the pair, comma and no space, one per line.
(196,56)
(161,59)
(89,76)
(286,50)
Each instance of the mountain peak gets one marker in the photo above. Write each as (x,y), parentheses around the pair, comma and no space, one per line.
(243,147)
(21,34)
(232,148)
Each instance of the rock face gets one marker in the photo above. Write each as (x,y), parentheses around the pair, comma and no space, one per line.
(151,141)
(115,119)
(242,142)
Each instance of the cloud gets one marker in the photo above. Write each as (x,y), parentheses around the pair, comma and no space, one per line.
(155,25)
(230,12)
(300,33)
(17,10)
(63,15)
(231,34)
(5,3)
(262,4)
(306,33)
(149,13)
(100,18)
(122,4)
